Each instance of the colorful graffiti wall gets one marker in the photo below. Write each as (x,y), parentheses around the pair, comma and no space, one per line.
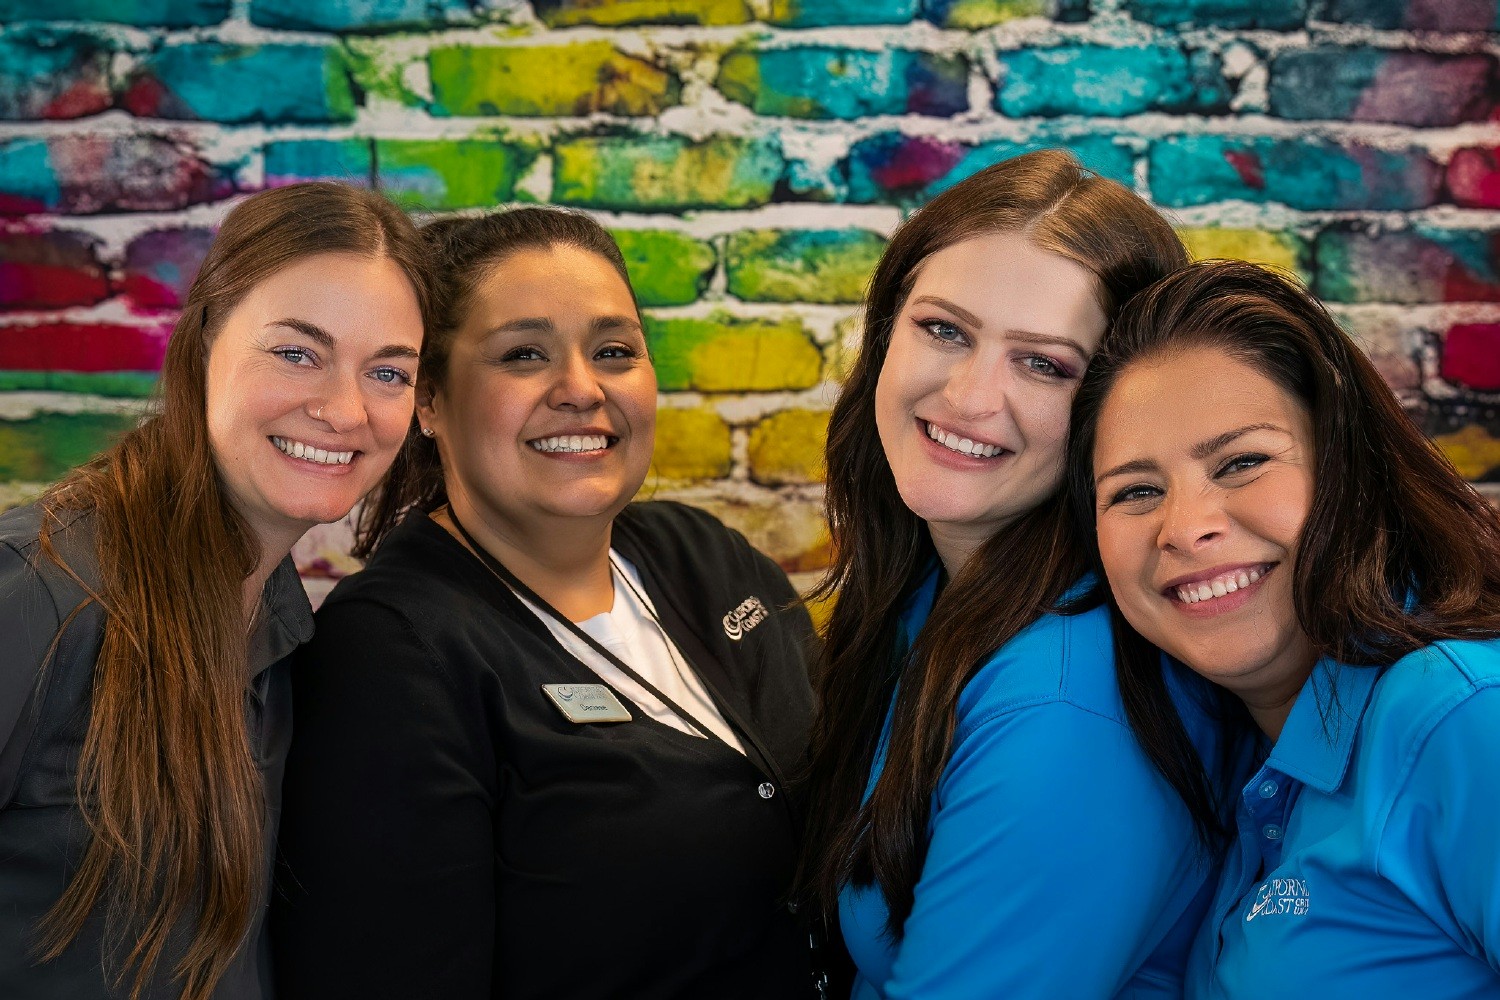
(752,156)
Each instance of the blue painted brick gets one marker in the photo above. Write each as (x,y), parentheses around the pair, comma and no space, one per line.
(1274,15)
(1303,173)
(348,160)
(145,13)
(1095,80)
(50,73)
(823,82)
(1376,85)
(356,15)
(236,83)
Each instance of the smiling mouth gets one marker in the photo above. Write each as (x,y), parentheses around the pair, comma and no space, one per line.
(1203,591)
(573,444)
(306,452)
(961,445)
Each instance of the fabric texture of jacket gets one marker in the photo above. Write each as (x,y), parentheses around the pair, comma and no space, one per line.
(449,833)
(44,714)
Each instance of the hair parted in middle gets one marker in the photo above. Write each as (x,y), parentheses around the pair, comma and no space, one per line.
(1397,552)
(882,549)
(463,252)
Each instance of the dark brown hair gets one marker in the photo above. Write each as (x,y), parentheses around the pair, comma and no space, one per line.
(463,253)
(1391,519)
(166,780)
(882,550)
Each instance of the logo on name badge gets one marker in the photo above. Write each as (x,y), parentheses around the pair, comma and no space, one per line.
(586,702)
(1280,897)
(742,619)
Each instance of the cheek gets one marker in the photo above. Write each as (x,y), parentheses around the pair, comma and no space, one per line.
(1124,552)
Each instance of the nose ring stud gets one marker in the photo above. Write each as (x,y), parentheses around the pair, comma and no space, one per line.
(320,413)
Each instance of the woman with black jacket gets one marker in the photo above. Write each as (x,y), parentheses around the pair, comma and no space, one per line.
(541,739)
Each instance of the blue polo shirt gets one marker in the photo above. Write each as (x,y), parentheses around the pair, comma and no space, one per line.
(1368,862)
(1059,864)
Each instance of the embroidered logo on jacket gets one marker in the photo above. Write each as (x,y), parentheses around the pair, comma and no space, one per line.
(742,619)
(1280,897)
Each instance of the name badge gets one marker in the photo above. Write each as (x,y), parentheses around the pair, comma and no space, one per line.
(587,702)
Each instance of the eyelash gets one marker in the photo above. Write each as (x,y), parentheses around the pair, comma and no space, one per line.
(519,353)
(1038,363)
(1255,458)
(287,354)
(1227,468)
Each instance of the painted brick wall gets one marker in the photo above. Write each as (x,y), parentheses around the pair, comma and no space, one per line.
(752,156)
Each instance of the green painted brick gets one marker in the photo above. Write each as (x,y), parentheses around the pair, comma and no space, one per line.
(44,447)
(776,265)
(725,354)
(131,385)
(690,444)
(548,80)
(565,13)
(437,174)
(668,172)
(666,268)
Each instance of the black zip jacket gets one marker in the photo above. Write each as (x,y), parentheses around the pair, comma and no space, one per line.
(448,833)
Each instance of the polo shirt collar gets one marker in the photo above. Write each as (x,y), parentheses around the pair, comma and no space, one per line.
(286,620)
(1318,739)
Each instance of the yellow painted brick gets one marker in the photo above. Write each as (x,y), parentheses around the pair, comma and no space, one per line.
(690,444)
(1472,451)
(787,448)
(1283,250)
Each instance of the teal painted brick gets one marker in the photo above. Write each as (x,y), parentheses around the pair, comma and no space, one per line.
(356,15)
(1096,80)
(1275,15)
(1303,173)
(823,13)
(1415,15)
(1377,85)
(238,83)
(665,172)
(1356,263)
(348,160)
(899,169)
(50,73)
(818,81)
(145,13)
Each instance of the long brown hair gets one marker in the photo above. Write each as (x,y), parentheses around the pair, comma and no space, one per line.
(882,550)
(1391,520)
(166,780)
(462,253)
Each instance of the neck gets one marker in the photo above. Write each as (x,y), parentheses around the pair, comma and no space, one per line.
(567,566)
(255,584)
(955,544)
(1270,709)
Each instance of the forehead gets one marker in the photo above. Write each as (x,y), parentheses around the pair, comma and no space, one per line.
(1161,407)
(340,292)
(556,282)
(1003,276)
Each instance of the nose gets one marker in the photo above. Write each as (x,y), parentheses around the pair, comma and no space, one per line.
(1191,522)
(576,386)
(975,387)
(341,406)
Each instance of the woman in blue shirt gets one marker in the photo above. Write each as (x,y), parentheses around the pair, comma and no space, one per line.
(1269,517)
(984,823)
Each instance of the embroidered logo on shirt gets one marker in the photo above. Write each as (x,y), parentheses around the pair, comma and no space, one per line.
(1280,897)
(742,619)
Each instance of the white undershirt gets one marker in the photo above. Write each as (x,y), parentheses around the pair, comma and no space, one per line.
(629,631)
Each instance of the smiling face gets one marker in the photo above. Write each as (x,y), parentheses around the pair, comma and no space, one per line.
(1204,471)
(548,408)
(309,390)
(973,397)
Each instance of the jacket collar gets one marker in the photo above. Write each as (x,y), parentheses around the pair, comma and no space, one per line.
(1317,741)
(286,618)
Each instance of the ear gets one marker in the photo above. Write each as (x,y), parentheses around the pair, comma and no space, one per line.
(427,404)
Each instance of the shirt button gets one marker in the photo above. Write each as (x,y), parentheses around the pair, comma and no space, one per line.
(1268,789)
(1272,831)
(767,789)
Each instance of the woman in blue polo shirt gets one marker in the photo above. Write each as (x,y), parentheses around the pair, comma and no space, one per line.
(1268,516)
(984,823)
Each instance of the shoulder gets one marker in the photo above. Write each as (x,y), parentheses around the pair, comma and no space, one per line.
(1063,660)
(685,543)
(679,524)
(1424,688)
(419,569)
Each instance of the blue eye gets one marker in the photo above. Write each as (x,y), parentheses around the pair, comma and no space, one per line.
(943,332)
(391,376)
(295,355)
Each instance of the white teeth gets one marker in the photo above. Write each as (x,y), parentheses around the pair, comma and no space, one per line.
(962,445)
(1195,593)
(572,443)
(308,453)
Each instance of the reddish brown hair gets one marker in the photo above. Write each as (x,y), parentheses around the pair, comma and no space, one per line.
(166,780)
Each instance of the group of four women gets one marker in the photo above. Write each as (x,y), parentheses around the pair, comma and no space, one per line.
(1163,656)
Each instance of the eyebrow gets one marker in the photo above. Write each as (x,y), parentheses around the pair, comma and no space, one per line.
(327,340)
(1201,450)
(542,324)
(1028,336)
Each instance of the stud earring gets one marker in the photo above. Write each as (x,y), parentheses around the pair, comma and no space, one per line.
(427,432)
